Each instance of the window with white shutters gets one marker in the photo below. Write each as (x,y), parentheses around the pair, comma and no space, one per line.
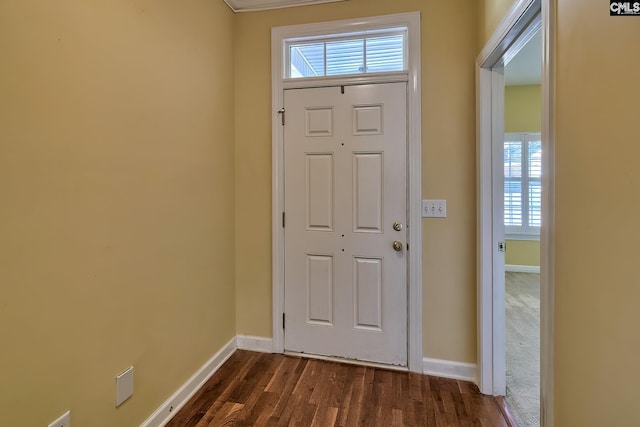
(522,184)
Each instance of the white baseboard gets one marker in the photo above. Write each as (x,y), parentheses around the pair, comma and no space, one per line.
(249,342)
(522,268)
(172,405)
(449,369)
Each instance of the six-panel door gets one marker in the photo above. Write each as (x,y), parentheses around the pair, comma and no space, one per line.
(345,187)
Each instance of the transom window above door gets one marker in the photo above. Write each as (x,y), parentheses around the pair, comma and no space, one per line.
(377,51)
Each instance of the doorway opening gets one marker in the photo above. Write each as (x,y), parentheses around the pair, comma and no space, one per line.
(518,204)
(522,213)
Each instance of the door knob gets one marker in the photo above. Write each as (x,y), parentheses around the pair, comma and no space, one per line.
(397,226)
(397,246)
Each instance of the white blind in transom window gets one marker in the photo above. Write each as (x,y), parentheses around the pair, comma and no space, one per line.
(347,55)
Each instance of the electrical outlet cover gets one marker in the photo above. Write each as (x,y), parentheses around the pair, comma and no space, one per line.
(124,386)
(63,421)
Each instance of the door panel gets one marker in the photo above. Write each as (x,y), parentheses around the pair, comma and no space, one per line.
(318,121)
(320,195)
(320,289)
(367,120)
(367,286)
(345,185)
(368,192)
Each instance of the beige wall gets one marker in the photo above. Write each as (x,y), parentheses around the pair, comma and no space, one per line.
(522,113)
(596,252)
(118,182)
(596,283)
(490,13)
(116,226)
(448,54)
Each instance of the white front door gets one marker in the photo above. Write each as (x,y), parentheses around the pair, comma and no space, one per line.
(345,188)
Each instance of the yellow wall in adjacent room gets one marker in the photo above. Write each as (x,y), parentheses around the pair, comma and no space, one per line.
(522,108)
(522,113)
(596,253)
(523,252)
(448,129)
(117,224)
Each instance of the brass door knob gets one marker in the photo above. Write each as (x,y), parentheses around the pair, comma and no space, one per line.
(397,246)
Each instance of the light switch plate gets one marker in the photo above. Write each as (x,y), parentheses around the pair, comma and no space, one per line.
(434,208)
(124,386)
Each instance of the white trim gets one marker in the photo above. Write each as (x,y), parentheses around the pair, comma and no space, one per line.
(255,5)
(450,369)
(277,186)
(521,41)
(414,116)
(547,255)
(514,268)
(253,343)
(522,237)
(361,79)
(497,168)
(509,30)
(519,18)
(317,29)
(414,232)
(173,404)
(490,98)
(484,230)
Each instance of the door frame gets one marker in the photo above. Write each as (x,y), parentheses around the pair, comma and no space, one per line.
(414,159)
(503,44)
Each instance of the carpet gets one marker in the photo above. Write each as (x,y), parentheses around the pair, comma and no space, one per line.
(522,304)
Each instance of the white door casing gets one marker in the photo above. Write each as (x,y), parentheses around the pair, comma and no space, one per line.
(345,187)
(499,305)
(503,45)
(412,77)
(521,18)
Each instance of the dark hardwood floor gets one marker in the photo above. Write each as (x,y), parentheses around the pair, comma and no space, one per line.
(259,389)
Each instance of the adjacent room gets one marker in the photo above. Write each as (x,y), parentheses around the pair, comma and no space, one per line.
(522,221)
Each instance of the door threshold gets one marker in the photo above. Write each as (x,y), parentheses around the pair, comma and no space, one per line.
(506,412)
(348,361)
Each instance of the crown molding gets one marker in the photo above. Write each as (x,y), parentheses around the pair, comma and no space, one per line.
(255,5)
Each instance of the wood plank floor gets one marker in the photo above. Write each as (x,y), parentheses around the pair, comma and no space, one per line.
(259,389)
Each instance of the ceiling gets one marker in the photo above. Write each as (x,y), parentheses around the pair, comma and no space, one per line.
(526,67)
(252,5)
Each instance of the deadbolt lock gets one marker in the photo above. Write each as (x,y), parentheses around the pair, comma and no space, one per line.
(397,226)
